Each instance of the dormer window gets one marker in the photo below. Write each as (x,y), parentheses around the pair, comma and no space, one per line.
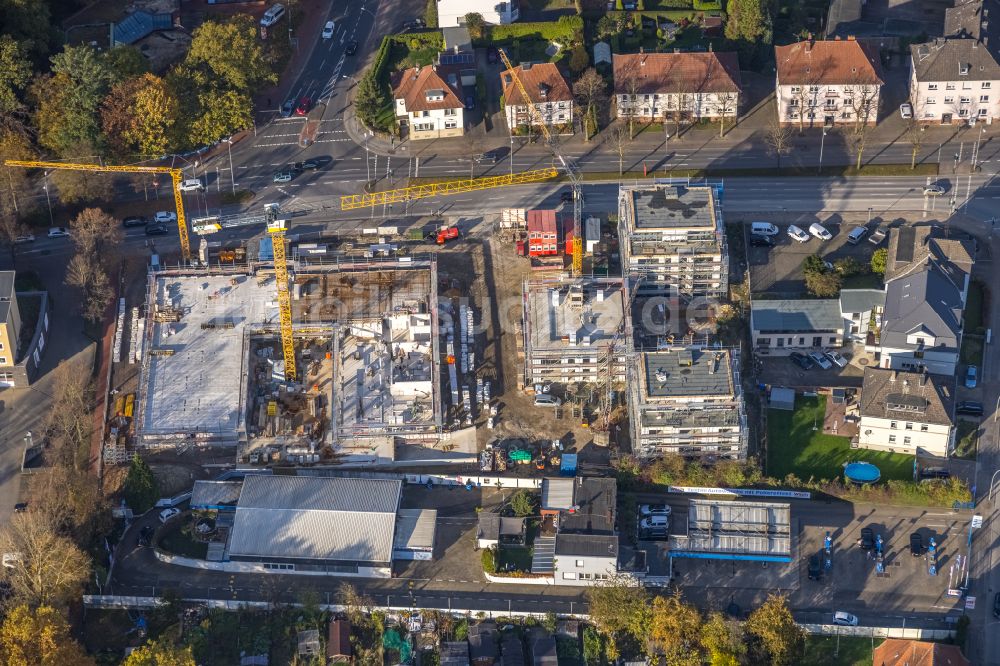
(434,95)
(963,69)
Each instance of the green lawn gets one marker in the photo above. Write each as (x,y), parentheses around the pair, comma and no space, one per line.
(518,557)
(793,447)
(862,281)
(177,542)
(974,306)
(972,349)
(967,439)
(850,652)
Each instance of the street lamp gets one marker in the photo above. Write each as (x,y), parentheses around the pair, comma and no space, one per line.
(48,200)
(822,140)
(869,214)
(232,174)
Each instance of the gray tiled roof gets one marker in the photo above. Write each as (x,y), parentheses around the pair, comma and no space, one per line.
(595,499)
(587,545)
(688,372)
(672,207)
(908,396)
(922,300)
(316,518)
(861,300)
(942,59)
(796,315)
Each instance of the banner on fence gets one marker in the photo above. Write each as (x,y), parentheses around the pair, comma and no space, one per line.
(741,492)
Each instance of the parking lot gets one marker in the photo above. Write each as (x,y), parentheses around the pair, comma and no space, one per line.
(782,371)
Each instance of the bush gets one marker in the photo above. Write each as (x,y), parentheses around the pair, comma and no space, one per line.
(879,259)
(674,4)
(489,558)
(707,5)
(523,503)
(431,14)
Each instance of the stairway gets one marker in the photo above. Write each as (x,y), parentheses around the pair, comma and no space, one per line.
(542,559)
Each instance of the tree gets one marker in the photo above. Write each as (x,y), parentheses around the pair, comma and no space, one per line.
(70,420)
(847,266)
(879,259)
(141,488)
(823,285)
(84,78)
(222,114)
(356,605)
(15,72)
(619,604)
(523,503)
(40,636)
(81,186)
(915,135)
(139,115)
(590,89)
(241,65)
(14,145)
(369,99)
(748,20)
(50,569)
(778,139)
(675,629)
(726,103)
(95,232)
(476,25)
(773,626)
(628,103)
(126,62)
(160,653)
(619,140)
(723,640)
(862,98)
(30,24)
(578,59)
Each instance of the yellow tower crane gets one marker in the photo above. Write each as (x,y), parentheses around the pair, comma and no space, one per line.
(176,176)
(276,228)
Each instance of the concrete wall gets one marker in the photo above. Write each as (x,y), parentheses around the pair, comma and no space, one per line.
(874,433)
(255,567)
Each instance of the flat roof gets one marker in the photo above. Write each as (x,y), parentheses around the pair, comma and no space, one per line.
(316,518)
(736,528)
(415,529)
(688,372)
(557,311)
(796,315)
(215,493)
(7,284)
(200,386)
(673,207)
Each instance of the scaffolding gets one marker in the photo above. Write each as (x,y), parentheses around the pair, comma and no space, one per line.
(445,188)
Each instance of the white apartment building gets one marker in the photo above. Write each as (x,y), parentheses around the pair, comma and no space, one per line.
(826,83)
(954,81)
(906,412)
(452,13)
(427,105)
(547,91)
(666,87)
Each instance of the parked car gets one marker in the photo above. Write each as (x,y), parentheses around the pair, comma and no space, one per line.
(845,619)
(328,29)
(24,238)
(654,509)
(284,176)
(165,217)
(20,507)
(934,474)
(546,400)
(815,567)
(414,24)
(287,108)
(837,359)
(857,233)
(307,165)
(134,221)
(470,102)
(58,232)
(933,191)
(763,228)
(867,540)
(878,235)
(916,544)
(191,185)
(157,230)
(819,231)
(351,48)
(656,522)
(760,240)
(906,110)
(801,360)
(797,234)
(304,105)
(167,514)
(820,360)
(971,376)
(969,408)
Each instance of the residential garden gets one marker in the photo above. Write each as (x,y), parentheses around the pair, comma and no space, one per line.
(512,554)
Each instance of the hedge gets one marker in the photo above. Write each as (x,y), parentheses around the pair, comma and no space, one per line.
(674,15)
(567,30)
(674,4)
(707,5)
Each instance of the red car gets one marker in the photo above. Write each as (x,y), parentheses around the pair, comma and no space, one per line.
(304,105)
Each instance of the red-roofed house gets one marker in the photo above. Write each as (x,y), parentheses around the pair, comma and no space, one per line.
(427,104)
(829,82)
(656,86)
(898,652)
(543,233)
(547,90)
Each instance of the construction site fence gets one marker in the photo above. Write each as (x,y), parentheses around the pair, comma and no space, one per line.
(477,481)
(906,633)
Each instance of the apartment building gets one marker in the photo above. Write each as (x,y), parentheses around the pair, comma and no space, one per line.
(453,12)
(548,92)
(782,326)
(676,86)
(426,105)
(584,550)
(836,82)
(954,81)
(673,240)
(570,325)
(689,401)
(906,412)
(10,329)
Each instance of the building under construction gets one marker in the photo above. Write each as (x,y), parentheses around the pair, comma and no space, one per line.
(672,237)
(366,350)
(572,329)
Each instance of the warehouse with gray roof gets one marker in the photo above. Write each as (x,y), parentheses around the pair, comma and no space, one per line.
(783,326)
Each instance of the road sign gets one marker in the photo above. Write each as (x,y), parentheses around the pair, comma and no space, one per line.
(970,603)
(977,521)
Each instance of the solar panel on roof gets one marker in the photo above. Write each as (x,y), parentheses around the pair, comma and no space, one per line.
(906,402)
(456,59)
(904,246)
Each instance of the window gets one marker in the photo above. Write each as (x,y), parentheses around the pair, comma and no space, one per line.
(579,563)
(1,346)
(906,440)
(984,98)
(833,340)
(892,439)
(923,427)
(932,86)
(450,112)
(949,100)
(793,102)
(949,86)
(796,90)
(986,85)
(982,112)
(963,113)
(813,89)
(892,425)
(909,426)
(450,124)
(966,100)
(569,575)
(930,100)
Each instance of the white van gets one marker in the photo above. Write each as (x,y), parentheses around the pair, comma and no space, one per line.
(272,15)
(657,522)
(764,229)
(546,400)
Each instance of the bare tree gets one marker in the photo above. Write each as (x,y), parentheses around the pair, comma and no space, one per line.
(778,139)
(590,90)
(725,103)
(915,135)
(862,98)
(356,604)
(804,101)
(44,568)
(619,139)
(627,91)
(70,419)
(70,500)
(96,233)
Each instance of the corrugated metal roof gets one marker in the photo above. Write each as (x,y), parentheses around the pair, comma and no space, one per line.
(557,493)
(316,518)
(215,493)
(415,529)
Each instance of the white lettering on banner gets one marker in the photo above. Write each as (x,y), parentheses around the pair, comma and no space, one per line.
(742,492)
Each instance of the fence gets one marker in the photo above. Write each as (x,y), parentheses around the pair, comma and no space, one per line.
(908,633)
